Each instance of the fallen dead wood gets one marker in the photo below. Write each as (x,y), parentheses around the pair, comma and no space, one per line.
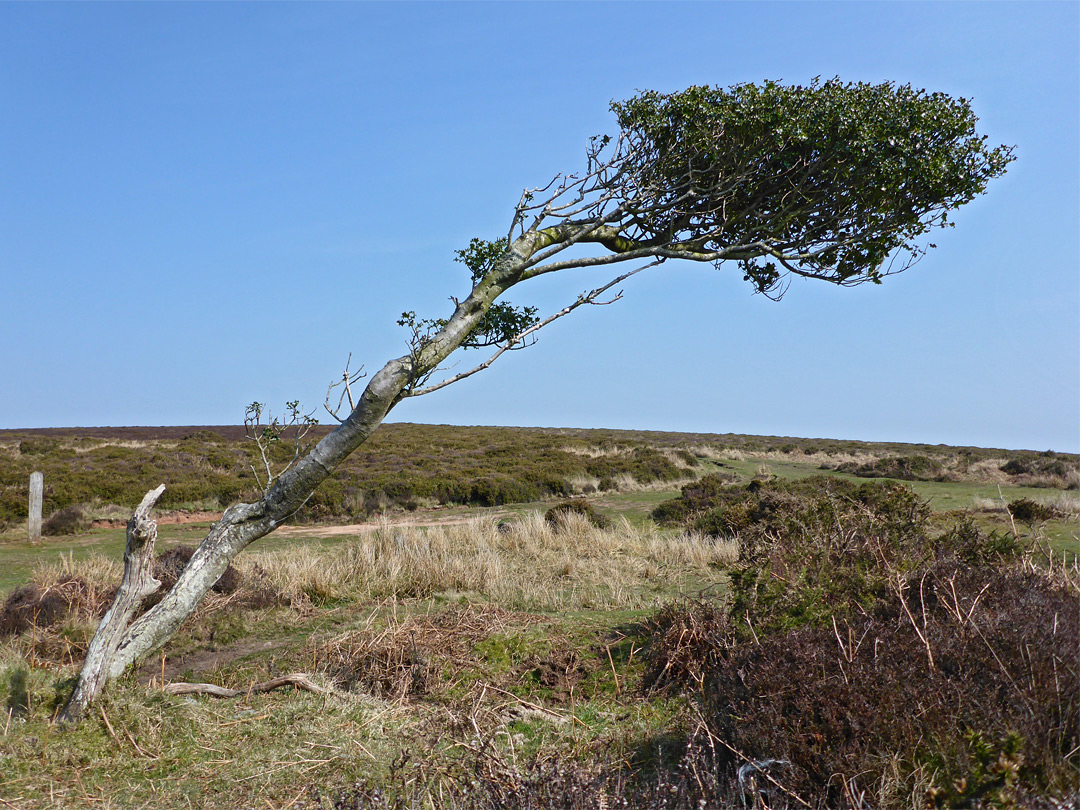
(298,679)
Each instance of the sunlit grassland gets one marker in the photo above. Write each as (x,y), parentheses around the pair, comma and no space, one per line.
(525,633)
(442,629)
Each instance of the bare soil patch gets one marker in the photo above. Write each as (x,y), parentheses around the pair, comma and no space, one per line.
(201,662)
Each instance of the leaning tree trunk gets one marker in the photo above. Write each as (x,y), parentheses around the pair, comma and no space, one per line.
(120,643)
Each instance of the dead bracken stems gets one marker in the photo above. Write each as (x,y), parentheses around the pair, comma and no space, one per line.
(348,379)
(901,588)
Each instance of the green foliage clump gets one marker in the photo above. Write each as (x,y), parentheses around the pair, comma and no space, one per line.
(38,446)
(846,174)
(697,497)
(903,468)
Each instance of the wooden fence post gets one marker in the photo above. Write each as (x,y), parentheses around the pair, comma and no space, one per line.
(37,485)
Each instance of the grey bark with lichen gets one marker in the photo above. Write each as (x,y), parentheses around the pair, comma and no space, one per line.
(137,584)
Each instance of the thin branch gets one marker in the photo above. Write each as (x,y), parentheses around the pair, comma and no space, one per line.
(585,298)
(347,379)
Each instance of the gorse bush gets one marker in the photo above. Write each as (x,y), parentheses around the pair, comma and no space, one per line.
(877,656)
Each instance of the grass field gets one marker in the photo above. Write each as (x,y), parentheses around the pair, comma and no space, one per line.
(484,657)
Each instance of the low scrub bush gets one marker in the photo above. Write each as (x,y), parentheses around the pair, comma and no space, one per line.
(45,605)
(970,693)
(484,780)
(903,468)
(1028,511)
(38,446)
(875,657)
(69,520)
(1049,469)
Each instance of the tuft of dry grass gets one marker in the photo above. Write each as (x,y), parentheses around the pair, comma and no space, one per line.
(98,571)
(525,563)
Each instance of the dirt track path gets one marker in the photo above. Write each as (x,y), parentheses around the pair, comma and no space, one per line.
(428,518)
(412,520)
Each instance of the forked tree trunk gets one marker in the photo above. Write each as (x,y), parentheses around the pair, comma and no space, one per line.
(138,583)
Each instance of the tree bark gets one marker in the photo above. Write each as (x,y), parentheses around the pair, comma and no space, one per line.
(137,584)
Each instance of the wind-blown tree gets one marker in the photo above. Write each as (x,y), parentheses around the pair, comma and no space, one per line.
(840,182)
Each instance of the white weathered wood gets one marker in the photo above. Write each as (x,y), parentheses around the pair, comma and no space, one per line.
(300,680)
(33,523)
(137,584)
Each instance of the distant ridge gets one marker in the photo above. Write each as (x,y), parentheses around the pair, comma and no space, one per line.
(231,432)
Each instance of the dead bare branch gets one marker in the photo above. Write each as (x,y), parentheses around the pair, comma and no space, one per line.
(300,680)
(347,380)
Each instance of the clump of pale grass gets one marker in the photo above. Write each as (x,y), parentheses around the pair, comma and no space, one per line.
(97,571)
(676,455)
(583,483)
(625,482)
(987,469)
(1067,503)
(388,560)
(693,550)
(980,504)
(705,451)
(593,451)
(525,563)
(80,448)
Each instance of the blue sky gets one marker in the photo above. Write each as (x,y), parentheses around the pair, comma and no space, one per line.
(207,204)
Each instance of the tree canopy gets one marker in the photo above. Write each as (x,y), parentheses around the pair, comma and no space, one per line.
(828,179)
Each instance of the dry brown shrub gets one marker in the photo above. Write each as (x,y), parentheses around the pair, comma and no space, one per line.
(963,688)
(167,568)
(679,636)
(44,605)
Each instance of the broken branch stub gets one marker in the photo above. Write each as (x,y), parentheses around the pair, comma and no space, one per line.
(137,584)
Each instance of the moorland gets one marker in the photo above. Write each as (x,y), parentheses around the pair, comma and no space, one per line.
(511,617)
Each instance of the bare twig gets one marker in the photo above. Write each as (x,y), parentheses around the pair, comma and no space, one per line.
(269,434)
(901,587)
(346,382)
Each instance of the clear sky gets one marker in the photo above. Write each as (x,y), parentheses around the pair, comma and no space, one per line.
(207,204)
